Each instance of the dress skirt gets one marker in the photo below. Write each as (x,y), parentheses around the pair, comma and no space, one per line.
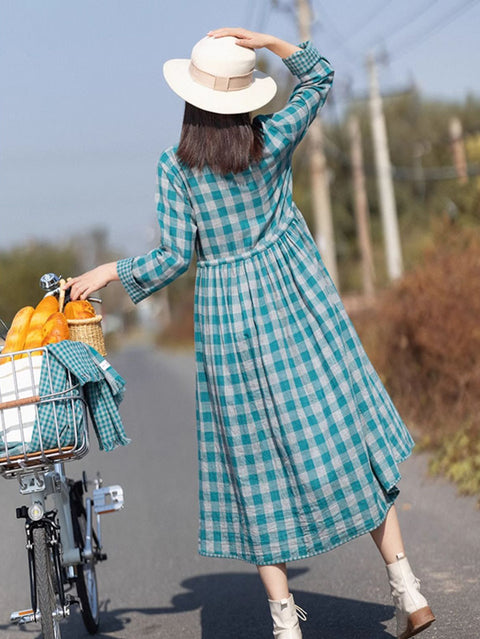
(298,440)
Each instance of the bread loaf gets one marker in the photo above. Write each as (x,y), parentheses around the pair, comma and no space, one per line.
(79,309)
(34,338)
(55,329)
(46,307)
(17,334)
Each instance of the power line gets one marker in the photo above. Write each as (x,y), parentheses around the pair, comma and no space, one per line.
(341,39)
(255,19)
(433,173)
(249,13)
(265,15)
(374,13)
(338,36)
(392,33)
(284,7)
(400,173)
(408,44)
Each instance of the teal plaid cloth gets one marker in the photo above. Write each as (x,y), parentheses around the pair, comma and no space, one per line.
(103,388)
(298,440)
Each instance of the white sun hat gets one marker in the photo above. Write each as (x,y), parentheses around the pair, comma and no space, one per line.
(220,77)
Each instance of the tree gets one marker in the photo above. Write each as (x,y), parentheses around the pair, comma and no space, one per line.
(21,269)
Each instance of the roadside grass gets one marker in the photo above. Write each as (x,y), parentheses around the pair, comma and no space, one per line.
(423,337)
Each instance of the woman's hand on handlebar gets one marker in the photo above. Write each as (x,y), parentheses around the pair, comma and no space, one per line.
(84,285)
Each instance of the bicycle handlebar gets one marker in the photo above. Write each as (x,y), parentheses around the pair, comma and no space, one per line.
(51,283)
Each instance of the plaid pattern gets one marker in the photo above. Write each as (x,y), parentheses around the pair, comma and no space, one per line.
(104,389)
(298,440)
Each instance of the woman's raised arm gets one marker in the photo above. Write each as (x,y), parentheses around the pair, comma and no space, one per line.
(254,40)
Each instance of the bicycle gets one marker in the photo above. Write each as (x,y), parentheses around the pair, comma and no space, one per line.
(64,543)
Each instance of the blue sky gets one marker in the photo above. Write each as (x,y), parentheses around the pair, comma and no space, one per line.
(85,112)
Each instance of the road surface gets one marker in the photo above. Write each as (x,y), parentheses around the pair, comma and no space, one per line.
(156,585)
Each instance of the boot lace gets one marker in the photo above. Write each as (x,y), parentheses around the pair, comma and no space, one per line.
(301,613)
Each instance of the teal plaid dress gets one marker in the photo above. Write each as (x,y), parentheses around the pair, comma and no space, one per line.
(298,441)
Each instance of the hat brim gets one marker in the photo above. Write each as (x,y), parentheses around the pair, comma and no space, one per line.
(257,95)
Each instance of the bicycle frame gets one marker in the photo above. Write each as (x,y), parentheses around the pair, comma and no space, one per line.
(59,528)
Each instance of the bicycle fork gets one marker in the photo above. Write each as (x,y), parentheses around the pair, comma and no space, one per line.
(58,535)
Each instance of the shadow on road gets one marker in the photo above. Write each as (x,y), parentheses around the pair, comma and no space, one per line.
(234,606)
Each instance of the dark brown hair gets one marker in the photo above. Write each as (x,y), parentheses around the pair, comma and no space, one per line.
(224,143)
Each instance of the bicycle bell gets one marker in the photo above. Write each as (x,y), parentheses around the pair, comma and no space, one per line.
(50,282)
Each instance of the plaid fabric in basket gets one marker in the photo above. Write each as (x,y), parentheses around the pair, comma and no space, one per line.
(104,390)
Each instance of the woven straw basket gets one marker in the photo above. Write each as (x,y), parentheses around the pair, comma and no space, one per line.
(89,331)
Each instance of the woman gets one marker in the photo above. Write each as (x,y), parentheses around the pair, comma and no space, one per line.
(299,442)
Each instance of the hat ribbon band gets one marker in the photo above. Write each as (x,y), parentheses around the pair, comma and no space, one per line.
(220,83)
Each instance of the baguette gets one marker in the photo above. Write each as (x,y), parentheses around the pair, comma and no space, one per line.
(43,310)
(17,334)
(55,329)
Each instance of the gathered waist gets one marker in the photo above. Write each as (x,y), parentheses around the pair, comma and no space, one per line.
(263,244)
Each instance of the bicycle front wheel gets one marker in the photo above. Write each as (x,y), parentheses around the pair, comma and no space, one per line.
(86,581)
(46,599)
(88,594)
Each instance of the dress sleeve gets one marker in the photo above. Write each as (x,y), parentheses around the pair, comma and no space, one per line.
(141,276)
(316,77)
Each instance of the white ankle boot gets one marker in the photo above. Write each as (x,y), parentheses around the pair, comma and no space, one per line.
(411,608)
(285,615)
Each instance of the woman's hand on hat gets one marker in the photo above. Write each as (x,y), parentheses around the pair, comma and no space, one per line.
(246,38)
(254,40)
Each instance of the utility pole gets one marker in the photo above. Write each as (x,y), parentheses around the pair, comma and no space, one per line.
(458,149)
(419,150)
(361,207)
(386,193)
(322,211)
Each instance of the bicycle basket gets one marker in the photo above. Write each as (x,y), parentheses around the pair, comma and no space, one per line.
(87,330)
(43,417)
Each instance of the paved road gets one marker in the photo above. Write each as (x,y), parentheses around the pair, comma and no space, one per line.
(156,585)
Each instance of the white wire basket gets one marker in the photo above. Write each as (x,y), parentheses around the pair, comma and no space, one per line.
(43,418)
